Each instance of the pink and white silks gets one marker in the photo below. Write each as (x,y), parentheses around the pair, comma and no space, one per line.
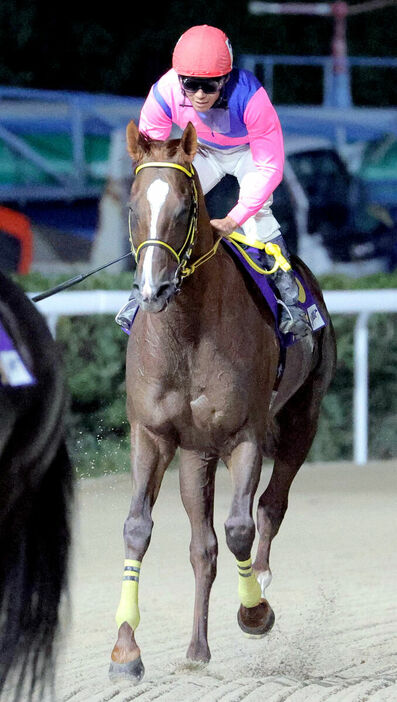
(242,136)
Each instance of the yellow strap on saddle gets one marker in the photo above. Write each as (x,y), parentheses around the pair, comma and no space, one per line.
(274,250)
(243,239)
(269,247)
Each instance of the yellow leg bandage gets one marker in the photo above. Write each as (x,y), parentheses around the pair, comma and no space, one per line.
(248,587)
(128,610)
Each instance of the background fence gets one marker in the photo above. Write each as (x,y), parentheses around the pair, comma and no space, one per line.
(361,303)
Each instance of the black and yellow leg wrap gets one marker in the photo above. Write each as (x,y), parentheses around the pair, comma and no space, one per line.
(248,587)
(128,610)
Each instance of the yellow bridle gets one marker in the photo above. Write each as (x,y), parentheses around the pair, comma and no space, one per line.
(183,255)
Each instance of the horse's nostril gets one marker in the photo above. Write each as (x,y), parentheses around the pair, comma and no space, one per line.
(135,286)
(163,289)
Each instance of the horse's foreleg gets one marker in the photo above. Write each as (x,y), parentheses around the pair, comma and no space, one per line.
(197,474)
(150,458)
(255,616)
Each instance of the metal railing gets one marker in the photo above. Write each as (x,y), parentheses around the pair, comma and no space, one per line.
(361,303)
(24,112)
(267,63)
(27,111)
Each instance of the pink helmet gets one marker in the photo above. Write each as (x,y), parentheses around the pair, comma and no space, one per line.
(203,51)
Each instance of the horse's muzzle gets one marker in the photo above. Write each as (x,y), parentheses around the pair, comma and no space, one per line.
(154,298)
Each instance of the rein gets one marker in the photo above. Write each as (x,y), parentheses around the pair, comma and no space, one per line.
(183,255)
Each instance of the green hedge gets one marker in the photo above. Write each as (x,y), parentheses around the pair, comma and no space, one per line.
(94,347)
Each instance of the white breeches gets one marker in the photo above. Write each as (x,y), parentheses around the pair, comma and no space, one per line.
(237,161)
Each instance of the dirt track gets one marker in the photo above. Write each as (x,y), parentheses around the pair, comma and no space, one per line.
(334,594)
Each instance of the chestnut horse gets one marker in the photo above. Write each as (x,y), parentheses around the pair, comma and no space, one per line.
(201,375)
(36,488)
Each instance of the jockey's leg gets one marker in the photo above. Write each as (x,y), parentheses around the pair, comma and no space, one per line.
(293,319)
(125,315)
(209,169)
(265,228)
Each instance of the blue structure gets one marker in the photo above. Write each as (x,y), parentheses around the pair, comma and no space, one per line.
(50,140)
(54,145)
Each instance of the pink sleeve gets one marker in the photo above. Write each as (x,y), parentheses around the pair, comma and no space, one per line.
(153,121)
(267,149)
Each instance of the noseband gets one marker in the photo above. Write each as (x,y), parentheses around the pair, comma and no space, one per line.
(183,255)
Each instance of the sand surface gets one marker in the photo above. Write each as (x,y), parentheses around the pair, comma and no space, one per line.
(334,593)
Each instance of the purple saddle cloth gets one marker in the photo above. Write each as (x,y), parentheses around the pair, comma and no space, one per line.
(306,299)
(13,371)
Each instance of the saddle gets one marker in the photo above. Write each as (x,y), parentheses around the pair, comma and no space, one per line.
(249,255)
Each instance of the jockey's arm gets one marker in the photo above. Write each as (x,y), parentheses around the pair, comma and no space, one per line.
(267,149)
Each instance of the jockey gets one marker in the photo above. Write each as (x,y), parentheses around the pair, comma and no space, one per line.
(239,127)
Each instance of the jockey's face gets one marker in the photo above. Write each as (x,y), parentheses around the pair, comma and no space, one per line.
(201,101)
(202,92)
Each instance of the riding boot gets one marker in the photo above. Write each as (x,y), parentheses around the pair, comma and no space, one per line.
(293,319)
(125,316)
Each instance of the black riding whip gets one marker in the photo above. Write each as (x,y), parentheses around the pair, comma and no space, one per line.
(76,279)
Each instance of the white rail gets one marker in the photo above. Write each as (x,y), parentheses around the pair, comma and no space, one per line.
(362,303)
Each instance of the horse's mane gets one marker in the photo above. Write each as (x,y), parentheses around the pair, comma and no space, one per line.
(35,496)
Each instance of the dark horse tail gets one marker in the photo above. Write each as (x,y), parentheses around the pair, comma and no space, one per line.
(35,499)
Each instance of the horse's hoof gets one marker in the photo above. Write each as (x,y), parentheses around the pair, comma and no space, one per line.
(198,654)
(255,622)
(132,671)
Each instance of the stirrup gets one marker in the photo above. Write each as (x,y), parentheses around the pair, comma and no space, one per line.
(294,321)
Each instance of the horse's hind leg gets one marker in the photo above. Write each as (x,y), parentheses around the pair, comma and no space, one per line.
(150,457)
(197,474)
(254,616)
(298,425)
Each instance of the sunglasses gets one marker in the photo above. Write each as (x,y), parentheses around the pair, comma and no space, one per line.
(209,86)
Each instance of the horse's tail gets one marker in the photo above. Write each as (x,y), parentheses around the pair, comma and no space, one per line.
(34,545)
(35,498)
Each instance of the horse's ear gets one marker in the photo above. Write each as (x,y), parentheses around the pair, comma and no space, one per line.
(188,143)
(135,142)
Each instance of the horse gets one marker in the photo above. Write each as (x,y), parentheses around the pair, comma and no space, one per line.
(201,374)
(36,489)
